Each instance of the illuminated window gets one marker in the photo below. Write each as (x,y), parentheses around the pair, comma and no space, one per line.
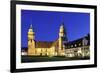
(71,45)
(75,45)
(79,44)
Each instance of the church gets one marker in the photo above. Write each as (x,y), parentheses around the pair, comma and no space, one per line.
(41,48)
(59,47)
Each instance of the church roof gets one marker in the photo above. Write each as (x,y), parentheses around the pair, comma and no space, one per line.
(43,44)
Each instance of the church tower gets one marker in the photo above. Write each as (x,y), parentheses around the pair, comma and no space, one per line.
(31,41)
(62,38)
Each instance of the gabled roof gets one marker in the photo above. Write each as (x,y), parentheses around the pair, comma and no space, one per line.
(46,44)
(78,42)
(40,44)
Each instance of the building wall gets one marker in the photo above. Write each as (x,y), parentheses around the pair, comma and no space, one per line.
(31,47)
(42,51)
(82,51)
(54,50)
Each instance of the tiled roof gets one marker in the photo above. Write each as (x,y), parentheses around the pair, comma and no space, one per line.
(42,44)
(77,43)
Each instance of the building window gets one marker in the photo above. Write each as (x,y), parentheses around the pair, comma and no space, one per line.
(75,45)
(79,44)
(71,45)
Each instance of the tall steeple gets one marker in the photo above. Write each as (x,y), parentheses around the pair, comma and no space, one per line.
(31,26)
(62,30)
(62,38)
(31,33)
(31,41)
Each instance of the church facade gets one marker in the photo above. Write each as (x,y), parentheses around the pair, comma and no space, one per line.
(60,47)
(41,48)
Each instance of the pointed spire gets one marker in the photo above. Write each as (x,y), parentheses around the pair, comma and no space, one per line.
(31,29)
(62,26)
(31,26)
(64,30)
(62,21)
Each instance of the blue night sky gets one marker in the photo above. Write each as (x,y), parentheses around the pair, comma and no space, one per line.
(46,25)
